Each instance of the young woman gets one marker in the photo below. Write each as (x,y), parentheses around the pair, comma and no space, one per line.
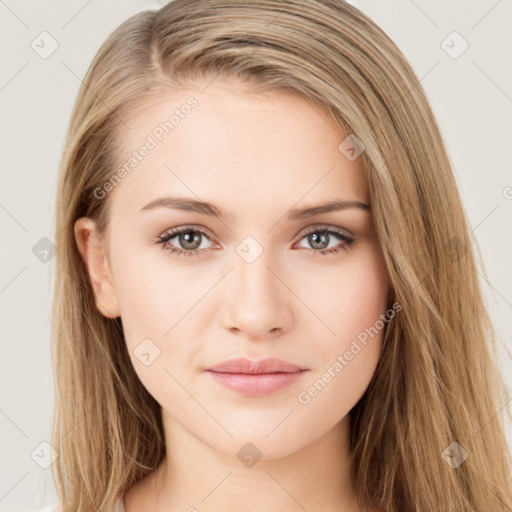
(266,292)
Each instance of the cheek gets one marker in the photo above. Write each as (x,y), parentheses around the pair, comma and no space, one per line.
(349,302)
(159,303)
(348,358)
(347,298)
(153,292)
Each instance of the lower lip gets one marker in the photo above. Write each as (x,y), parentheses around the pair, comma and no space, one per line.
(256,385)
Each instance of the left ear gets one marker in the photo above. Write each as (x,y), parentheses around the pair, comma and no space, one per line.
(95,258)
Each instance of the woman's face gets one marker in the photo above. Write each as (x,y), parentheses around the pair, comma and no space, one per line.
(254,277)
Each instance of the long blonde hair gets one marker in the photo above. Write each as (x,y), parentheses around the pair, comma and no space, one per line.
(436,383)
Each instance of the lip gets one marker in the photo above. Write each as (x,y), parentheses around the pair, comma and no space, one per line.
(256,378)
(245,365)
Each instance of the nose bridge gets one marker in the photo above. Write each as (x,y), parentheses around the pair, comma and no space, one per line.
(256,277)
(258,301)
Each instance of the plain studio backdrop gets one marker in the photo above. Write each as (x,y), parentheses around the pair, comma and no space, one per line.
(460,51)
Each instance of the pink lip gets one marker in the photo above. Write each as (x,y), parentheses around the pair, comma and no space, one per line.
(256,378)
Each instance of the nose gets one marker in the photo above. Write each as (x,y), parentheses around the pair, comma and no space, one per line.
(258,302)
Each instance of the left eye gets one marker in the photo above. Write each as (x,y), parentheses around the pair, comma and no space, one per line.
(318,237)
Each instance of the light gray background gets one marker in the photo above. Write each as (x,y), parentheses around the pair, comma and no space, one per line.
(471,97)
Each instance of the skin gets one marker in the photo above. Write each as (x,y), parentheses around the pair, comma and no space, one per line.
(256,157)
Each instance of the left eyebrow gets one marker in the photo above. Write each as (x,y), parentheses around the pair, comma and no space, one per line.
(331,206)
(207,208)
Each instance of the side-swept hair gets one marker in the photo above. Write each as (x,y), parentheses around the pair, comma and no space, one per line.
(436,383)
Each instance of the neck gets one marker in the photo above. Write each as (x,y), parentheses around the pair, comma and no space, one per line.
(196,477)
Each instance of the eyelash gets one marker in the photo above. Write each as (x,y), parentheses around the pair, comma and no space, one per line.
(169,235)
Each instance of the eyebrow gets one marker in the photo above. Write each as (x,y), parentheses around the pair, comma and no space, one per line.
(207,208)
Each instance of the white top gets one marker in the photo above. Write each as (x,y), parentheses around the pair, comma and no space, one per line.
(118,507)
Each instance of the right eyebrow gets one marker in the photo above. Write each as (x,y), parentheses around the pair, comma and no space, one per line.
(186,204)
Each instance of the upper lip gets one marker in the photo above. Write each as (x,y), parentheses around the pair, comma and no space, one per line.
(244,365)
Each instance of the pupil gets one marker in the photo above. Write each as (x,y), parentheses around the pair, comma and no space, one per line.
(189,239)
(317,241)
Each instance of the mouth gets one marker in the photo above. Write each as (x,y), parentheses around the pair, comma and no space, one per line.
(256,378)
(256,384)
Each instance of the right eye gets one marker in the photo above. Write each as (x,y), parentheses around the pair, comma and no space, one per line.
(189,239)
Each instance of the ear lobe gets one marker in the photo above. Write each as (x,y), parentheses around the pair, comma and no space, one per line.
(95,258)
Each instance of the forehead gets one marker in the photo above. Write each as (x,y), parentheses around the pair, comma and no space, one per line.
(249,152)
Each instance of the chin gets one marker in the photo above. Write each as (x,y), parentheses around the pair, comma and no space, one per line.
(258,444)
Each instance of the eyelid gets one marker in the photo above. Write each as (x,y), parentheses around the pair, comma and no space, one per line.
(187,227)
(319,227)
